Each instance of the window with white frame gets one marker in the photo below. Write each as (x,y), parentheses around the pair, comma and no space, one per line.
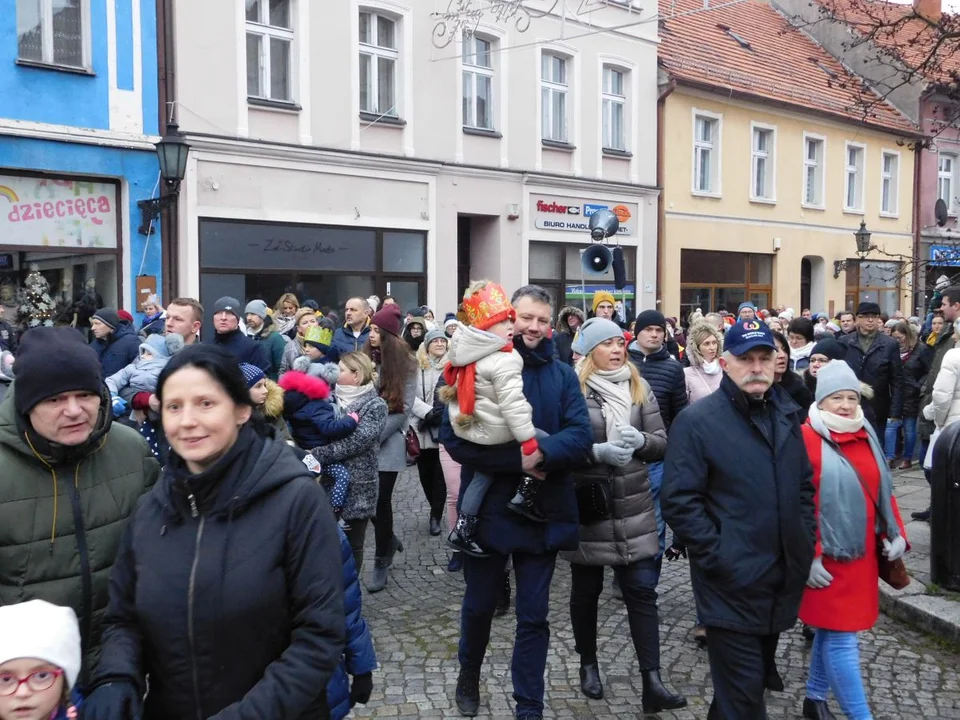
(269,50)
(853,196)
(554,88)
(889,183)
(478,77)
(706,154)
(614,108)
(53,32)
(379,55)
(813,157)
(946,171)
(763,171)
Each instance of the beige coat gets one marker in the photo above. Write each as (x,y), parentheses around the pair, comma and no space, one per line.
(501,412)
(945,406)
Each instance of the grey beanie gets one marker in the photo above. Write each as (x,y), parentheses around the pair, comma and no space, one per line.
(834,377)
(593,332)
(434,335)
(256,307)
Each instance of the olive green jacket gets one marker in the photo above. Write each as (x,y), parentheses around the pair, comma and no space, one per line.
(62,511)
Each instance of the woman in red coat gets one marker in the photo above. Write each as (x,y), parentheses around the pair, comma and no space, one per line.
(855,507)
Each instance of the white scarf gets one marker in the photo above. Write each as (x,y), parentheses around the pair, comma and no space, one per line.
(347,394)
(711,368)
(839,424)
(613,387)
(801,353)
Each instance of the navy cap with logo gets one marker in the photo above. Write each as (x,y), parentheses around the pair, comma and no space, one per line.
(744,336)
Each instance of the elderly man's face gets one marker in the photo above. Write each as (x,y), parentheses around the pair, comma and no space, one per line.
(67,418)
(753,372)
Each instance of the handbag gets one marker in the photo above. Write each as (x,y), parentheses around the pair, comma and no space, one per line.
(413,446)
(594,501)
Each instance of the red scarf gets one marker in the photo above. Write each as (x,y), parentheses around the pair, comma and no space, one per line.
(464,379)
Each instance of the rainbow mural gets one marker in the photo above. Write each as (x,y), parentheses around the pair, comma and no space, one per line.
(9,194)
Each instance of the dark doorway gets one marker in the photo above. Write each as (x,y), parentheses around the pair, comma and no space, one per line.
(806,278)
(463,254)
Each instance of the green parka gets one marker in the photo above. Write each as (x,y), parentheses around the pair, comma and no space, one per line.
(62,511)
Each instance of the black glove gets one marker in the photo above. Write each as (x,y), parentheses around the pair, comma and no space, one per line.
(117,700)
(433,418)
(675,551)
(361,688)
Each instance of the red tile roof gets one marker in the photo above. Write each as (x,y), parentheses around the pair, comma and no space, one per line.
(781,64)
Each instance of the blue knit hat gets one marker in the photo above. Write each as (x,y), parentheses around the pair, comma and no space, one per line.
(252,374)
(593,332)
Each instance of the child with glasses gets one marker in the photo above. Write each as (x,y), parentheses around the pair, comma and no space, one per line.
(39,662)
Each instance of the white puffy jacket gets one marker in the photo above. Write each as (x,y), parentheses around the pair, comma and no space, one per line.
(944,407)
(501,412)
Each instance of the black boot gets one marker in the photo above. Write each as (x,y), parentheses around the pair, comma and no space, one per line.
(461,537)
(923,515)
(808,633)
(817,710)
(525,501)
(434,526)
(656,697)
(503,602)
(468,692)
(590,684)
(381,572)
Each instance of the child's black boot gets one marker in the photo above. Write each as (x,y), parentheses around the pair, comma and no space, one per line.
(461,537)
(525,501)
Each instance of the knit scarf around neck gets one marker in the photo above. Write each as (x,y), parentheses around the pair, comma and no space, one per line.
(842,512)
(613,387)
(347,394)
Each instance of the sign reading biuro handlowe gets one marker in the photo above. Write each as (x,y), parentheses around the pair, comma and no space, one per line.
(572,215)
(57,212)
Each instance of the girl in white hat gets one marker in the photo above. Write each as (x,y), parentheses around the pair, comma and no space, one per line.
(39,661)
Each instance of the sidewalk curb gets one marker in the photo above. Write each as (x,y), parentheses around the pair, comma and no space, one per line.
(935,615)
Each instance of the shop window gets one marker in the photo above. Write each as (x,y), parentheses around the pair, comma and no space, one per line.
(713,280)
(877,282)
(404,252)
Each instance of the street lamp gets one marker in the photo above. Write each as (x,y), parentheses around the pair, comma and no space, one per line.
(172,151)
(863,248)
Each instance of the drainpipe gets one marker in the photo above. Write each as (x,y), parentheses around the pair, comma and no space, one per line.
(661,203)
(919,273)
(167,87)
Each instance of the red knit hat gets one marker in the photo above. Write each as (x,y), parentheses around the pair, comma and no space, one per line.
(388,319)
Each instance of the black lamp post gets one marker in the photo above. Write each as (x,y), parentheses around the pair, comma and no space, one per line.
(172,151)
(863,248)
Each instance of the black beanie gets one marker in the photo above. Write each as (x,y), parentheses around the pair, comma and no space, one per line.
(650,317)
(830,348)
(108,316)
(51,361)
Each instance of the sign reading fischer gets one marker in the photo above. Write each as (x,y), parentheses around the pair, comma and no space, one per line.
(574,215)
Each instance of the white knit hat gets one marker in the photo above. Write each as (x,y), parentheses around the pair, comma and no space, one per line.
(41,630)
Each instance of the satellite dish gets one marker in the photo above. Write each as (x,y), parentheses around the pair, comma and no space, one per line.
(940,212)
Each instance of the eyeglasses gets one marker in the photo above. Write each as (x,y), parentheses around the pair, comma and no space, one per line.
(37,681)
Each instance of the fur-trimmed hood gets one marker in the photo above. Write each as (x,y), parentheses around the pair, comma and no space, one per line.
(272,407)
(314,388)
(566,312)
(696,335)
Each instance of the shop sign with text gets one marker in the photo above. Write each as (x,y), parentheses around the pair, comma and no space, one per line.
(57,212)
(572,215)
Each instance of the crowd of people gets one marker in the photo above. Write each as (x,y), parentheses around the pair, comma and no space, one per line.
(193,472)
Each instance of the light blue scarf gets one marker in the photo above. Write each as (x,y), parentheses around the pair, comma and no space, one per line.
(842,510)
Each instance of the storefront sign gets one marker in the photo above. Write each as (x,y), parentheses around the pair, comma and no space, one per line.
(945,255)
(571,215)
(57,212)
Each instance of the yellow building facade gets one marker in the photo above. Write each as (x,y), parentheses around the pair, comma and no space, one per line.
(761,203)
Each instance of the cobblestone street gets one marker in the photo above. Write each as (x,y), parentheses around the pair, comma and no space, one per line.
(415,625)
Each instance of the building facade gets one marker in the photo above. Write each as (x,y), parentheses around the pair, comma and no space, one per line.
(374,146)
(768,172)
(78,124)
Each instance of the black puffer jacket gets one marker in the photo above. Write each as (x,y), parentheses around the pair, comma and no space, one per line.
(916,366)
(665,377)
(750,533)
(228,591)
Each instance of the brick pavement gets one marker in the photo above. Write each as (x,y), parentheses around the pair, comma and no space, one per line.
(415,625)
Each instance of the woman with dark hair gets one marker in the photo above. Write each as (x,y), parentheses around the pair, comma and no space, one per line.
(800,337)
(916,358)
(789,380)
(397,383)
(414,332)
(227,589)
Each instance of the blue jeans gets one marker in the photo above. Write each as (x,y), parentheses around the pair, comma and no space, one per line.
(655,473)
(484,579)
(835,665)
(909,438)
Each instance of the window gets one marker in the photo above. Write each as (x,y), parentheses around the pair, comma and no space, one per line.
(763,172)
(269,50)
(706,154)
(947,166)
(553,97)
(614,104)
(710,279)
(378,64)
(813,171)
(871,281)
(853,198)
(477,82)
(53,32)
(889,183)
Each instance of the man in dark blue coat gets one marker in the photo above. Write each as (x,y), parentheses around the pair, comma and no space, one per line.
(226,324)
(117,343)
(356,328)
(559,409)
(738,493)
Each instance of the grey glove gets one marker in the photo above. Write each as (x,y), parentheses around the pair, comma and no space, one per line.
(819,577)
(612,454)
(631,437)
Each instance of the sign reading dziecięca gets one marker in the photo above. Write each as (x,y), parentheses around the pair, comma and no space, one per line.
(57,212)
